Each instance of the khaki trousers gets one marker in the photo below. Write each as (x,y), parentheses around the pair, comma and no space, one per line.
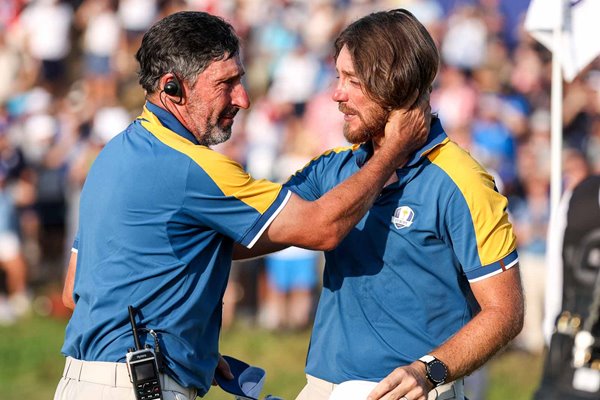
(318,389)
(97,380)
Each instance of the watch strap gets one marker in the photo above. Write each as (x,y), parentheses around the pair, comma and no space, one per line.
(427,358)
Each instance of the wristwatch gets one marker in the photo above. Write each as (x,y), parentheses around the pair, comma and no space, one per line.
(437,372)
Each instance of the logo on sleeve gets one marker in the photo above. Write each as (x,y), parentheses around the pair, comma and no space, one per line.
(403,217)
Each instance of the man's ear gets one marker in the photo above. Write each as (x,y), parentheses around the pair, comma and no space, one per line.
(172,87)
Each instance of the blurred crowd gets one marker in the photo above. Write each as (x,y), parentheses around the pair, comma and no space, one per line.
(68,84)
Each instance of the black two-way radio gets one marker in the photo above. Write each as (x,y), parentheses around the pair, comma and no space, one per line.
(142,367)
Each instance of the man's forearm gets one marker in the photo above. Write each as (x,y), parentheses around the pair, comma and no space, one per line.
(477,342)
(343,206)
(498,322)
(323,223)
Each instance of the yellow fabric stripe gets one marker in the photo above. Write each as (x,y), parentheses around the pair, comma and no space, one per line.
(339,150)
(493,231)
(334,150)
(228,175)
(147,115)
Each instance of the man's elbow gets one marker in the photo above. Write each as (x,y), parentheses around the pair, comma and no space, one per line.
(329,238)
(517,319)
(328,244)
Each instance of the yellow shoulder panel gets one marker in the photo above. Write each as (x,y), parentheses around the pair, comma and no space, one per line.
(228,175)
(493,231)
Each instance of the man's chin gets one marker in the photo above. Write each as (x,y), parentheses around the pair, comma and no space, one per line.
(355,137)
(217,136)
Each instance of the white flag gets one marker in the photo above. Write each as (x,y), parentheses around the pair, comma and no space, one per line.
(581,34)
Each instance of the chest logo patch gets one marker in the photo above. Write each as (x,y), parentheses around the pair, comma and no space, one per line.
(403,217)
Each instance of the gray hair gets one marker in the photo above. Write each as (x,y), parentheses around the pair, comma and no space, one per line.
(184,44)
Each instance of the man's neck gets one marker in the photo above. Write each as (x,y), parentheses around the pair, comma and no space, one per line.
(177,121)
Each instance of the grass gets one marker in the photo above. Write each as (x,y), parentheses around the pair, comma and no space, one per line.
(31,364)
(30,359)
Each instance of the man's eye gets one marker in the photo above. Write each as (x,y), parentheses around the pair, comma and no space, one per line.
(231,81)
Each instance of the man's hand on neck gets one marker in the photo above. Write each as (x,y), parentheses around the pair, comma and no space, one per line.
(405,132)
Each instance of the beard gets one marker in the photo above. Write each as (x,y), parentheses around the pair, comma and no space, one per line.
(216,134)
(372,123)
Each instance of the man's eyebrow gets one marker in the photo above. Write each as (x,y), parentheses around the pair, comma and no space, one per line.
(237,75)
(346,72)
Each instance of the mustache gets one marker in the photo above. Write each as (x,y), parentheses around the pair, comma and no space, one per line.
(230,112)
(345,109)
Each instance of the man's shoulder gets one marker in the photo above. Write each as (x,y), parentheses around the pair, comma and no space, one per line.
(337,153)
(330,166)
(450,156)
(462,169)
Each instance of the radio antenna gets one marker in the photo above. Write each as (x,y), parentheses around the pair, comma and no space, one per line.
(134,328)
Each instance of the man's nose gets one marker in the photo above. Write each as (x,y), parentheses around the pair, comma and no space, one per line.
(239,97)
(339,94)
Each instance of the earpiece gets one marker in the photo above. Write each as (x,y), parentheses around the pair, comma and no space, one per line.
(172,88)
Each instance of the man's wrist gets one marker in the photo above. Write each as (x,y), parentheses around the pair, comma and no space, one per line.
(435,370)
(422,371)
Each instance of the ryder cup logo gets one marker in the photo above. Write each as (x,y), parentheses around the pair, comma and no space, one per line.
(403,217)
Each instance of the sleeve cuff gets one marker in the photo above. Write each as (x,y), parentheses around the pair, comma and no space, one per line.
(498,267)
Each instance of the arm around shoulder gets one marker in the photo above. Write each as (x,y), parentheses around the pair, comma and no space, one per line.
(323,223)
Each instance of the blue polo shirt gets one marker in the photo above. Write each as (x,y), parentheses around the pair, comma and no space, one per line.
(398,284)
(158,217)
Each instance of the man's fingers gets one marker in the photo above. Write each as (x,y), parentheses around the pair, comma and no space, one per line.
(387,386)
(382,388)
(402,382)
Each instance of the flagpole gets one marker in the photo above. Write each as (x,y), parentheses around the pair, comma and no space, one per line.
(556,111)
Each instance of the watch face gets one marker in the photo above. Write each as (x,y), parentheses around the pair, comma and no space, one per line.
(437,371)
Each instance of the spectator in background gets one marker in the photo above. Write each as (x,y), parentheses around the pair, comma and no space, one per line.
(294,79)
(322,24)
(47,28)
(291,277)
(12,262)
(323,122)
(18,72)
(102,34)
(493,144)
(136,16)
(464,43)
(455,98)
